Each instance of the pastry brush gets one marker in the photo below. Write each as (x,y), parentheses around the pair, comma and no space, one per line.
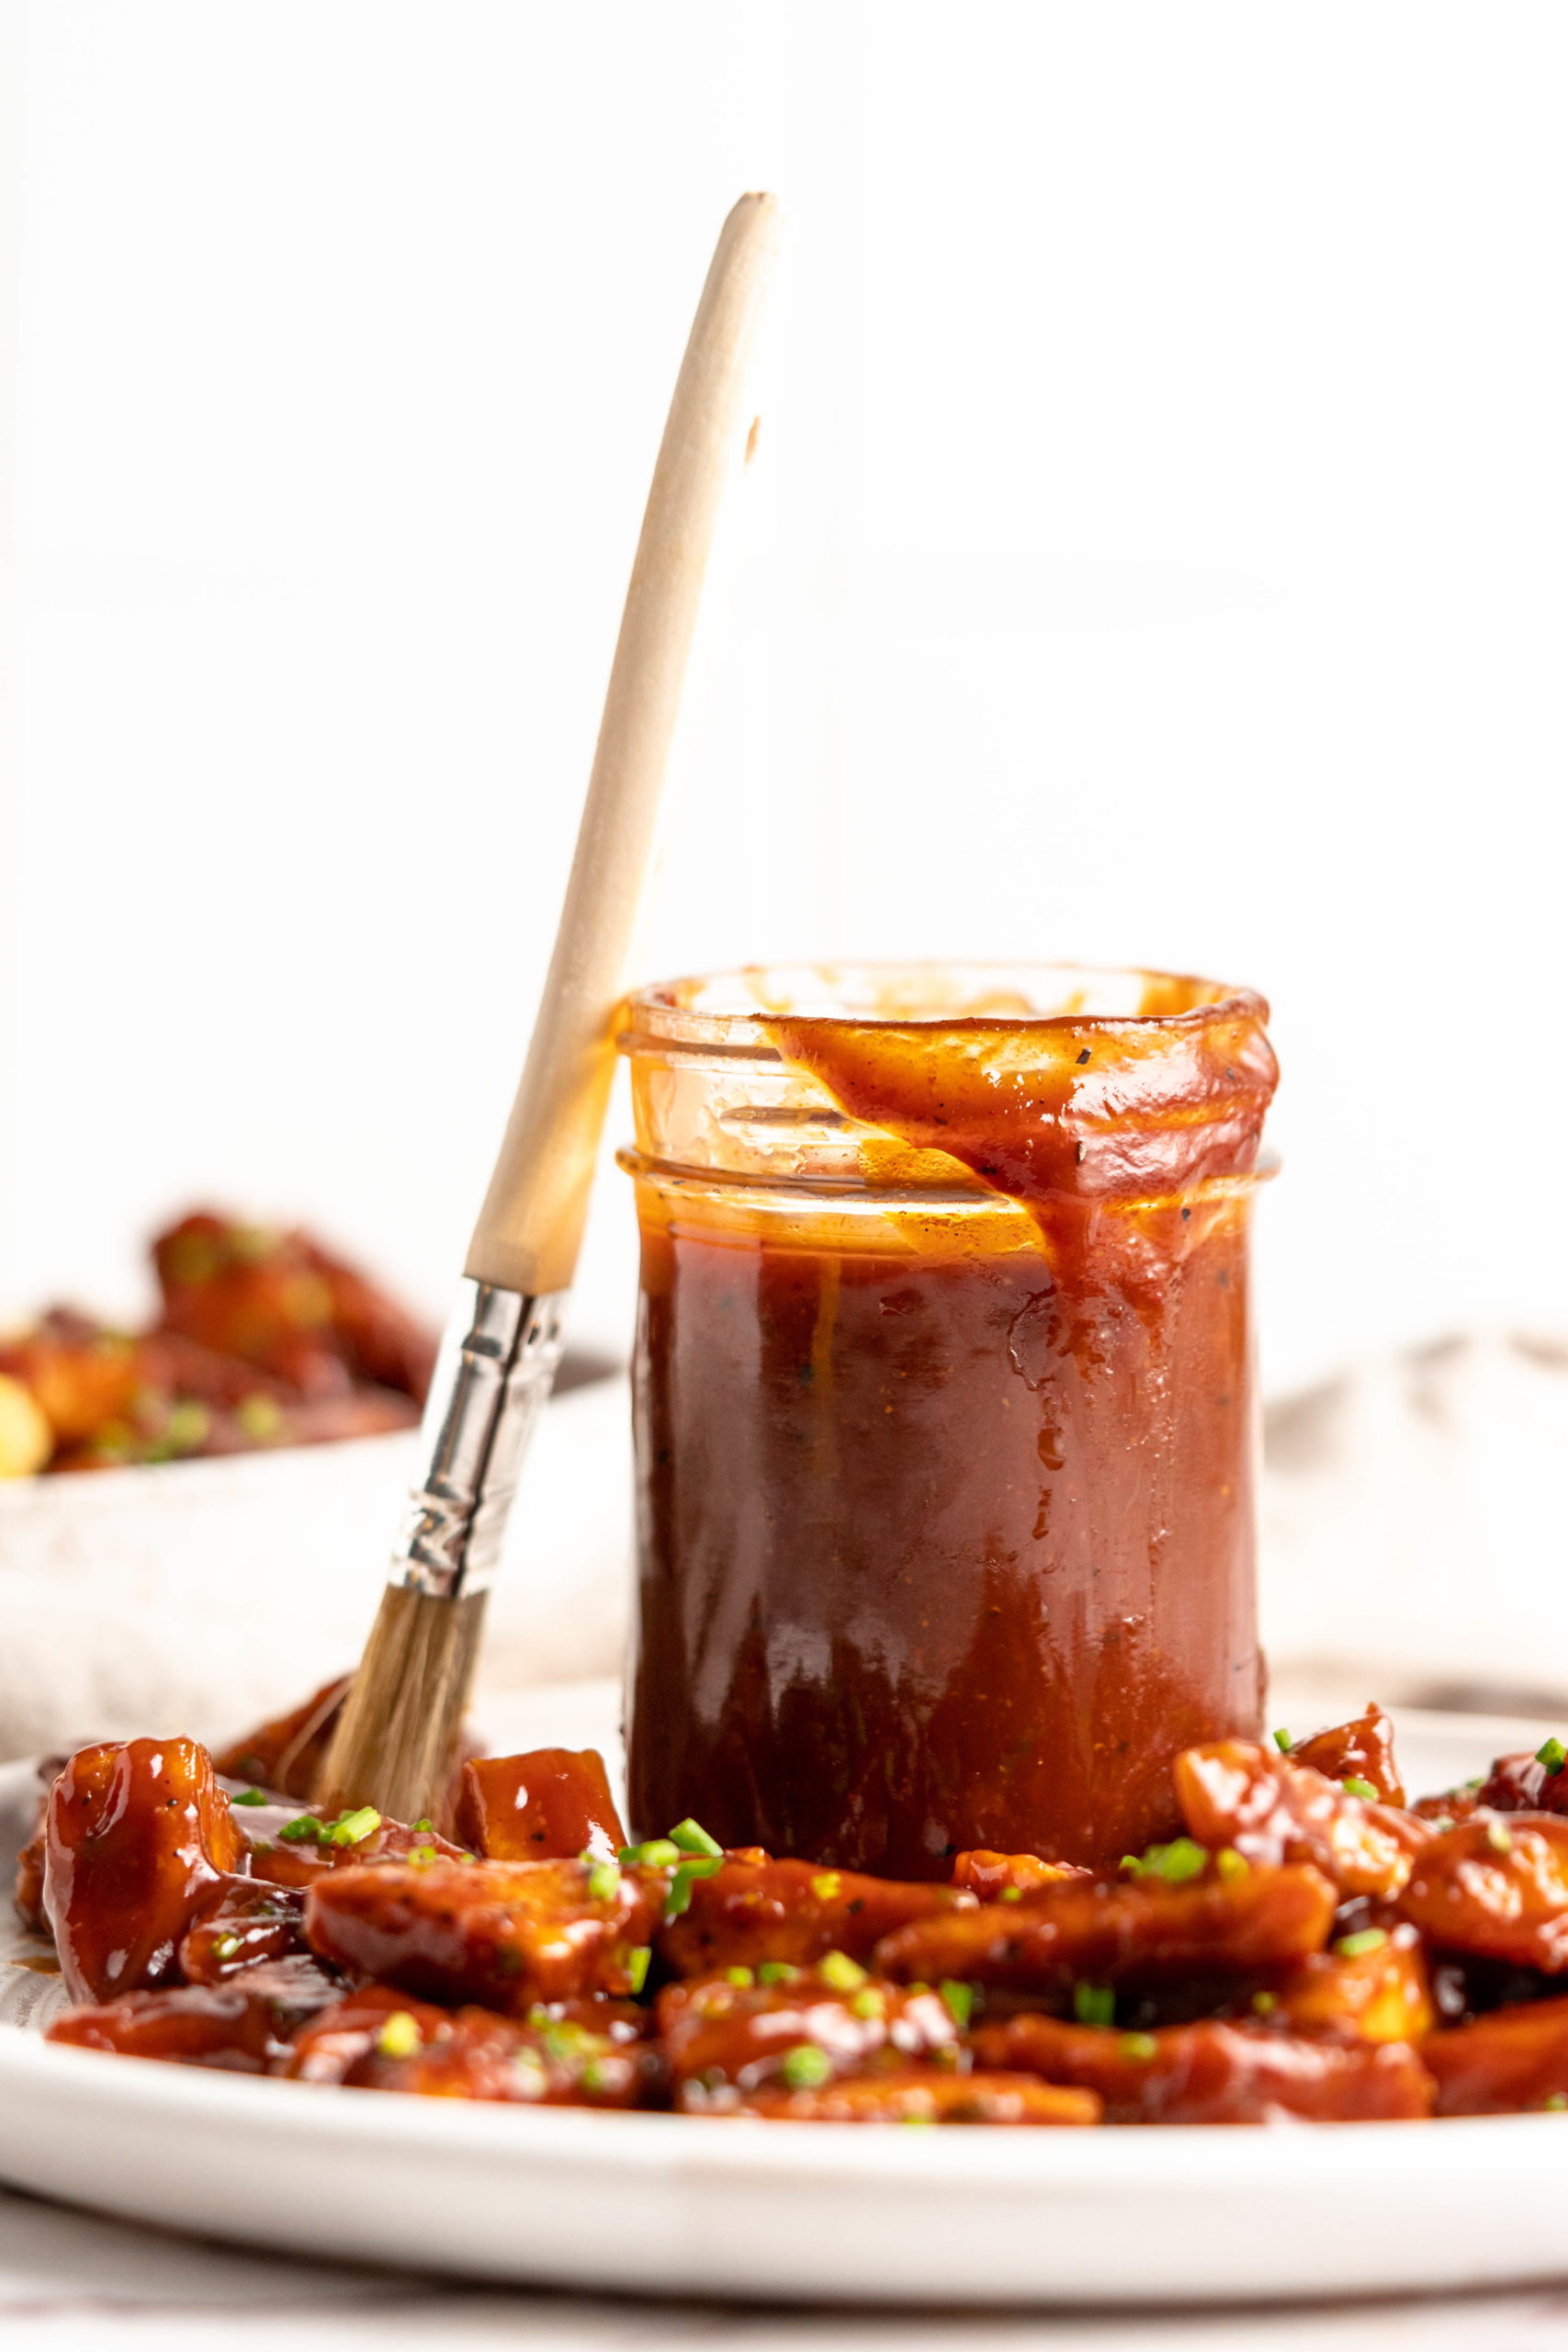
(396,1739)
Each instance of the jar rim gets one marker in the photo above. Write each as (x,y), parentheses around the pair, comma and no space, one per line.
(734,1008)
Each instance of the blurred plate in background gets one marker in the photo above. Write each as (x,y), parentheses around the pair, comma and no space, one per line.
(201,1596)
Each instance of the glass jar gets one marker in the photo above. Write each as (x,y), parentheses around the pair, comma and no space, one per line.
(944,1403)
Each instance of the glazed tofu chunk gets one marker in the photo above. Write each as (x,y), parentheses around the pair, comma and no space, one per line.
(1495,1887)
(503,1934)
(380,2040)
(1271,1809)
(242,2026)
(138,1842)
(755,1910)
(1214,2072)
(1080,1932)
(780,2027)
(549,1805)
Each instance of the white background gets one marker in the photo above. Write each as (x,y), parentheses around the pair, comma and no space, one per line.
(1157,552)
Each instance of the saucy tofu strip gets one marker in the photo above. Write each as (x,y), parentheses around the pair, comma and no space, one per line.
(506,1934)
(1214,2072)
(1079,1932)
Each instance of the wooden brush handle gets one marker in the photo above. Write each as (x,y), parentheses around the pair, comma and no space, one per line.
(528,1230)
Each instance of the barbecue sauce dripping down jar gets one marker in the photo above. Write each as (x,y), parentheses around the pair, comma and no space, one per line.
(945,1413)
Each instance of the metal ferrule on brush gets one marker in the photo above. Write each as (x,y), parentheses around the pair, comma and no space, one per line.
(493,1379)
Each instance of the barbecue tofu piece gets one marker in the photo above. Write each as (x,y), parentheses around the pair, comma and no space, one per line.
(990,1877)
(1270,1809)
(549,1805)
(503,1934)
(780,2028)
(138,1842)
(380,2040)
(1213,2072)
(1495,1887)
(1361,1750)
(1509,2060)
(755,1910)
(1144,1928)
(242,2026)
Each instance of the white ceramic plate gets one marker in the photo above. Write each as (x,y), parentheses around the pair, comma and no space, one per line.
(796,2212)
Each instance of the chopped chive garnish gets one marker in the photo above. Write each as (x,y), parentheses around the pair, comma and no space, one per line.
(1553,1755)
(692,1838)
(1555,2102)
(348,1829)
(1010,1894)
(1355,1788)
(806,2067)
(260,1416)
(1232,1865)
(653,1854)
(840,1972)
(1364,1939)
(777,1972)
(958,2000)
(1181,1859)
(826,1886)
(1499,1836)
(187,1425)
(604,1881)
(1282,1742)
(1139,2047)
(741,1976)
(226,1947)
(694,1867)
(869,2002)
(1094,2004)
(248,1796)
(1444,1822)
(422,1828)
(399,2037)
(353,1829)
(421,1857)
(1264,2004)
(635,1961)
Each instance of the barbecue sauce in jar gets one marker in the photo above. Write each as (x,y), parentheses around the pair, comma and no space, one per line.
(944,1405)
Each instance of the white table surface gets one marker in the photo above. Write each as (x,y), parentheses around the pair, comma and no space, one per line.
(70,2283)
